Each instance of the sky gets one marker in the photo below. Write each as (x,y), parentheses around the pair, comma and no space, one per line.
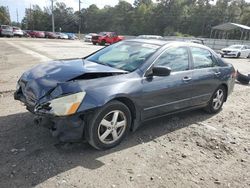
(20,5)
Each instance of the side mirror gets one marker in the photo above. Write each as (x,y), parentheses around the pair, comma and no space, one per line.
(159,71)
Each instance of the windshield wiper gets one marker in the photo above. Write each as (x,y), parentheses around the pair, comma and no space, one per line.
(108,65)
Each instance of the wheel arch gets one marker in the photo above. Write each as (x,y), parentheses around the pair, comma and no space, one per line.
(132,108)
(226,89)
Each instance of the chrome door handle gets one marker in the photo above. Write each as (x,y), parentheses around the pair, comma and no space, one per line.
(217,73)
(186,79)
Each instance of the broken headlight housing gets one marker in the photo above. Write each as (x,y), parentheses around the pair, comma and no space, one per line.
(62,106)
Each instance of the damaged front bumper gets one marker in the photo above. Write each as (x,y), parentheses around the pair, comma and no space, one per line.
(65,128)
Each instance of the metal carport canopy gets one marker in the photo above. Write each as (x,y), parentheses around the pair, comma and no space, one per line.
(230,26)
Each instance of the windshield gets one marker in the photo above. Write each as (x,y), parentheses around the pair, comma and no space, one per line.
(103,33)
(127,56)
(235,46)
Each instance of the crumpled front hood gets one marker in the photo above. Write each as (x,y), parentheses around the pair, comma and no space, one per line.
(44,77)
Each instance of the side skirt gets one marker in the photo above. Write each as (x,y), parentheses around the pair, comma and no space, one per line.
(168,114)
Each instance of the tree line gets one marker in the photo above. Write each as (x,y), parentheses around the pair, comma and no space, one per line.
(163,17)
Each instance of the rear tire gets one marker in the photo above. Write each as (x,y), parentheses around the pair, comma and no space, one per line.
(108,126)
(216,102)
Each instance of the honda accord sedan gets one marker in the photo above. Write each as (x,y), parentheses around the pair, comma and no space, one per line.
(105,95)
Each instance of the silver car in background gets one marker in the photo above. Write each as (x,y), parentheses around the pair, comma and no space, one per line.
(6,30)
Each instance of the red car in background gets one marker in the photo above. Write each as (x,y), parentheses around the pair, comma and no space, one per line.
(50,35)
(106,37)
(36,34)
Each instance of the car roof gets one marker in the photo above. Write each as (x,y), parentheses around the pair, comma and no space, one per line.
(6,25)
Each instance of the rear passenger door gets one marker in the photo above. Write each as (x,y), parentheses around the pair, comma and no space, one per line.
(206,74)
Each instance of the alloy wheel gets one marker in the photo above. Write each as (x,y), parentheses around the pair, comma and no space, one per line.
(218,99)
(112,127)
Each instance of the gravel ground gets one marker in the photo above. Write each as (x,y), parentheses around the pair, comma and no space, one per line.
(191,149)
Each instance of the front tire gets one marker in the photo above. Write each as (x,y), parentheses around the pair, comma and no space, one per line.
(238,55)
(103,42)
(216,102)
(108,126)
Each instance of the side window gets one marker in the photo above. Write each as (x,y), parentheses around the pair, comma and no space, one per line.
(175,58)
(202,58)
(113,35)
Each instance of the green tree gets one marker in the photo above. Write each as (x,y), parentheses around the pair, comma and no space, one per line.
(4,15)
(165,17)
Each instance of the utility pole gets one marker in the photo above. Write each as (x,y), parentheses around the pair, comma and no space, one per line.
(79,31)
(17,16)
(30,18)
(8,11)
(53,22)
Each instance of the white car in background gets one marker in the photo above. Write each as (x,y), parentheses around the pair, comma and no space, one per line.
(18,32)
(63,36)
(236,51)
(88,37)
(149,37)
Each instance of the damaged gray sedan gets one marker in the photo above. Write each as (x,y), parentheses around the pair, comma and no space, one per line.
(110,92)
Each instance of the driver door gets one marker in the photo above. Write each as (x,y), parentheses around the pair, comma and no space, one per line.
(110,38)
(166,94)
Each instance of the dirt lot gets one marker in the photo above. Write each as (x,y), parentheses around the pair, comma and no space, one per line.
(192,149)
